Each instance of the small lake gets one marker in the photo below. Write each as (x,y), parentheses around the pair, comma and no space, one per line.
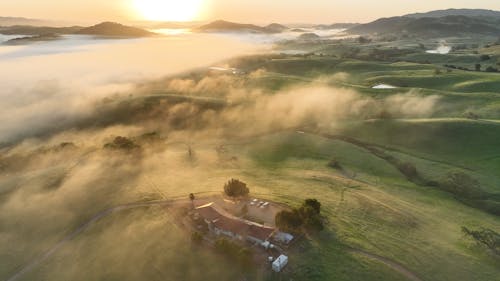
(384,86)
(441,50)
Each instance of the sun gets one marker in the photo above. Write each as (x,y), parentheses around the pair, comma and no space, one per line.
(168,10)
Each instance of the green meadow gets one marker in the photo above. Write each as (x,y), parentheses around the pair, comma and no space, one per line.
(379,222)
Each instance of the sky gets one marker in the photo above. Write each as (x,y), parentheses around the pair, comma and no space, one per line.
(254,11)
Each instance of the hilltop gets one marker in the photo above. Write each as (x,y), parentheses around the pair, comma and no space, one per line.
(115,29)
(276,27)
(336,26)
(10,21)
(227,26)
(102,29)
(38,30)
(446,26)
(456,12)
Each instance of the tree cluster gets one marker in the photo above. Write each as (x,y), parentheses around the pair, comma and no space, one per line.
(122,143)
(236,188)
(307,216)
(234,251)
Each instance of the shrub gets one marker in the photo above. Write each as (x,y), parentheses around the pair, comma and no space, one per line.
(196,237)
(234,251)
(384,114)
(334,164)
(236,188)
(487,237)
(491,69)
(408,170)
(472,115)
(364,40)
(484,57)
(121,143)
(463,185)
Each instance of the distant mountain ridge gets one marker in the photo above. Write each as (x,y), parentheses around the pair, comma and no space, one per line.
(227,26)
(456,12)
(336,26)
(114,29)
(43,33)
(10,21)
(451,23)
(38,30)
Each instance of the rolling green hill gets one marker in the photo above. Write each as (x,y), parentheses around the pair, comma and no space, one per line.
(431,27)
(457,12)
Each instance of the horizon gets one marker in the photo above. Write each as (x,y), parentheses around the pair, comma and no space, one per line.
(134,11)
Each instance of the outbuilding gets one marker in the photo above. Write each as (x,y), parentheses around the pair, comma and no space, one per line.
(280,263)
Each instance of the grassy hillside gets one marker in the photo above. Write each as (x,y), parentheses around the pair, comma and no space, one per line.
(191,133)
(431,27)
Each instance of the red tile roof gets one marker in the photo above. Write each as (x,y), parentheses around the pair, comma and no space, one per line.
(234,225)
(208,212)
(259,231)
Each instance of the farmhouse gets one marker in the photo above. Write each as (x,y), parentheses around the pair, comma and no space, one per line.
(221,223)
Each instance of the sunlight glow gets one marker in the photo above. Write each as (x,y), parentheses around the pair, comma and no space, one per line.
(168,10)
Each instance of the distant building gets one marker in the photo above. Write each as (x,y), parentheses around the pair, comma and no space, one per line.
(280,263)
(235,228)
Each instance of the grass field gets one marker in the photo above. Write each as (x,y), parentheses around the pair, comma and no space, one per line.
(368,204)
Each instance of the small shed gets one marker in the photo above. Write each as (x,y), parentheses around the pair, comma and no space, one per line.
(283,237)
(280,263)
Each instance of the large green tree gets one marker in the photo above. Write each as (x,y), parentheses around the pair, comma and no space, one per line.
(236,188)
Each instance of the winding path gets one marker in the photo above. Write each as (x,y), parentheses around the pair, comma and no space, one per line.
(388,262)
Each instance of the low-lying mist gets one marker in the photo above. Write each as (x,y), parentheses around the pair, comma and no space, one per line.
(47,85)
(62,110)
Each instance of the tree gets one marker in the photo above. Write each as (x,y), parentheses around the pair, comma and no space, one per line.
(307,216)
(122,143)
(334,163)
(491,69)
(313,223)
(364,40)
(288,220)
(484,57)
(478,67)
(236,188)
(314,204)
(192,197)
(310,214)
(409,170)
